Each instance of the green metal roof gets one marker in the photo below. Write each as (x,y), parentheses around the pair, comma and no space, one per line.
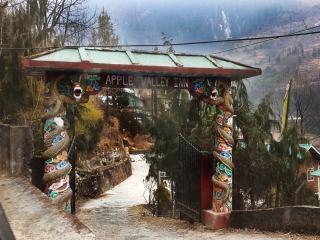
(315,153)
(110,56)
(67,55)
(316,173)
(122,60)
(305,146)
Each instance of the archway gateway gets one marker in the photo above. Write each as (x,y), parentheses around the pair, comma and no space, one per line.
(72,74)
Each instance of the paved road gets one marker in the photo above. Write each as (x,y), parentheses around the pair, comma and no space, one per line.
(117,215)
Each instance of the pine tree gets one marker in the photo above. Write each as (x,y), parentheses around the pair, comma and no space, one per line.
(104,34)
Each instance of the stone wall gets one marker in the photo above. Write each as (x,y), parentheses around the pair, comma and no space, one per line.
(302,219)
(16,150)
(102,179)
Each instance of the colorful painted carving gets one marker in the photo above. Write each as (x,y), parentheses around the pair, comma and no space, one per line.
(56,138)
(222,152)
(222,178)
(92,82)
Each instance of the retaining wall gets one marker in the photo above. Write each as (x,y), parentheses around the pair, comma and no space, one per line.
(16,150)
(103,178)
(301,219)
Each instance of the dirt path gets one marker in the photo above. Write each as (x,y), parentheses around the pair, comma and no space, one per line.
(119,215)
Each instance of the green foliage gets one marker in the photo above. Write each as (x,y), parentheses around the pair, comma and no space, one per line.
(14,93)
(129,123)
(162,197)
(267,170)
(307,197)
(171,120)
(288,160)
(201,121)
(122,99)
(253,161)
(88,125)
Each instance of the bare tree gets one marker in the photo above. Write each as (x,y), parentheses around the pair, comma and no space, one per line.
(303,100)
(55,22)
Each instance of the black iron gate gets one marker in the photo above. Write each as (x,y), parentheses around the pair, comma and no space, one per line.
(72,181)
(188,183)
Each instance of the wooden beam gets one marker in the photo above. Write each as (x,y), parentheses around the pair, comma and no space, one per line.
(175,60)
(213,61)
(131,57)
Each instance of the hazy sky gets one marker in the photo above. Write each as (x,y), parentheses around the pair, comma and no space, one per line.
(142,21)
(115,8)
(195,3)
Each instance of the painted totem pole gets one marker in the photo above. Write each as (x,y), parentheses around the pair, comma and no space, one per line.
(219,96)
(56,138)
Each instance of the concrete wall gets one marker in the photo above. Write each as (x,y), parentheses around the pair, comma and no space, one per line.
(302,219)
(16,150)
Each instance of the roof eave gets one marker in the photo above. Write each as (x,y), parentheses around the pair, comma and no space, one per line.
(86,66)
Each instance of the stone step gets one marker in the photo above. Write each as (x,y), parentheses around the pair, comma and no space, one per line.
(32,215)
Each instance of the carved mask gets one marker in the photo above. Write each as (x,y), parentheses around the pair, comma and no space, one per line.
(77,91)
(214,94)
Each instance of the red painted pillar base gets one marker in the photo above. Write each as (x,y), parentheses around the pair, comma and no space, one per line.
(215,220)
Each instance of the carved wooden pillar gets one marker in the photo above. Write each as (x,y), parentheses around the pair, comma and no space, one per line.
(56,138)
(222,152)
(217,93)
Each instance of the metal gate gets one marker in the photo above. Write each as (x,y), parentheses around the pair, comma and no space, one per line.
(188,183)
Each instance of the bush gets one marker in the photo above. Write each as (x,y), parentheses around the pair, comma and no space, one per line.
(129,123)
(162,198)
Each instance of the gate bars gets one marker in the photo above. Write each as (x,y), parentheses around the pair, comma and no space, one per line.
(188,185)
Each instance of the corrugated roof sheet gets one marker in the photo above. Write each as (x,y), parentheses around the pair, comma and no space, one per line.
(109,56)
(103,58)
(64,55)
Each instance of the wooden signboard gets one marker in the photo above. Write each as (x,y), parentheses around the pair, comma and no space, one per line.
(145,81)
(197,85)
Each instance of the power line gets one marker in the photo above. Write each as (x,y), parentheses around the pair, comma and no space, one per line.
(265,38)
(222,41)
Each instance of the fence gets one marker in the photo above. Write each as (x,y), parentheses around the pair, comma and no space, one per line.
(188,183)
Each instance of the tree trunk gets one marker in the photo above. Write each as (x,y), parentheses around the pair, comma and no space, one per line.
(277,195)
(252,200)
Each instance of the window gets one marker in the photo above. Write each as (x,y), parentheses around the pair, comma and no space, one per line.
(309,177)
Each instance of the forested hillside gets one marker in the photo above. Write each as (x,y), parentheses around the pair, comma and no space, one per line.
(295,58)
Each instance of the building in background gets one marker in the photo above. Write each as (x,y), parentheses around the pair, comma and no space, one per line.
(312,169)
